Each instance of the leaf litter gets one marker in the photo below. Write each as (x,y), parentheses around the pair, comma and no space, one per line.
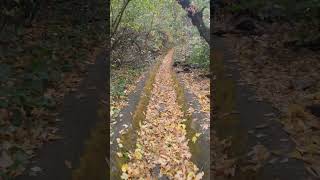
(200,87)
(162,136)
(119,102)
(289,80)
(222,165)
(26,119)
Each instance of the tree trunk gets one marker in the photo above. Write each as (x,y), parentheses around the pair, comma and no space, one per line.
(117,21)
(196,17)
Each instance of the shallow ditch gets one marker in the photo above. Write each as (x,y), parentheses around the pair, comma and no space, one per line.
(93,164)
(226,122)
(133,118)
(200,149)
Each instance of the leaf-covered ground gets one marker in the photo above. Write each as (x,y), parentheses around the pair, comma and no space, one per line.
(200,87)
(162,147)
(123,81)
(38,67)
(289,80)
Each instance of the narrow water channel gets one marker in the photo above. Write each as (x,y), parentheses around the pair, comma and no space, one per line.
(226,122)
(93,164)
(128,139)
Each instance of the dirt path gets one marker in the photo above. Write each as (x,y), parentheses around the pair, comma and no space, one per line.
(161,149)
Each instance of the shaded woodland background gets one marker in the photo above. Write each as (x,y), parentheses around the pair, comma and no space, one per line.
(45,47)
(257,17)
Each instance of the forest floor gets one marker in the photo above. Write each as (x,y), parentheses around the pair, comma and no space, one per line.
(158,138)
(275,92)
(260,148)
(41,66)
(79,153)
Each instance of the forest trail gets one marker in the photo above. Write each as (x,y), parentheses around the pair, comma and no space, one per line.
(162,149)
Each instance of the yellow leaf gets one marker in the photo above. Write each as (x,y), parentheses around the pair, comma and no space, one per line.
(182,126)
(190,175)
(124,167)
(137,154)
(194,139)
(138,146)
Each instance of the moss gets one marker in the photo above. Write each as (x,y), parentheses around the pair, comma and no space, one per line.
(195,148)
(226,124)
(92,162)
(129,139)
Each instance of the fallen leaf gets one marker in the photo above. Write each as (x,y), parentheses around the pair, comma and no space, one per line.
(5,160)
(260,135)
(261,126)
(68,164)
(137,154)
(194,139)
(119,154)
(36,169)
(124,176)
(124,167)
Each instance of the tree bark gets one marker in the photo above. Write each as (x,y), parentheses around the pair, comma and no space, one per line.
(196,17)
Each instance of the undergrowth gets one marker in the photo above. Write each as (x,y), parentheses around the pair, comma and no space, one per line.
(200,56)
(121,78)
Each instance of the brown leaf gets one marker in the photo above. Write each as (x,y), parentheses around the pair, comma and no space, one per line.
(68,164)
(4,115)
(5,160)
(315,171)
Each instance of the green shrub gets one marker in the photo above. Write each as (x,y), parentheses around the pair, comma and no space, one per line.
(200,56)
